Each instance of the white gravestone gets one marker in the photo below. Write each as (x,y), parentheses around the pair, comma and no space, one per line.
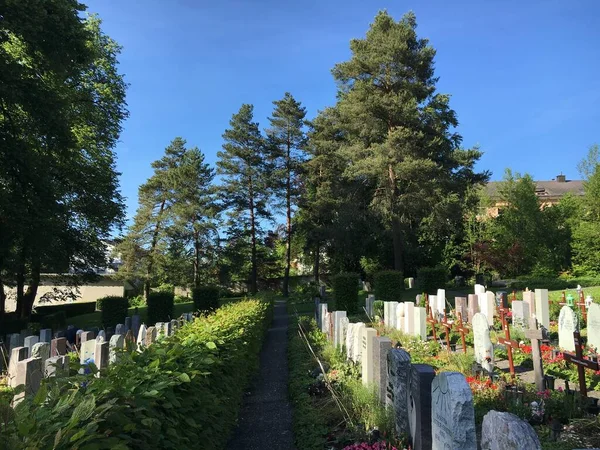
(593,326)
(479,289)
(357,346)
(452,413)
(350,341)
(342,331)
(529,298)
(386,314)
(484,350)
(433,305)
(393,315)
(337,323)
(420,329)
(542,307)
(441,301)
(567,324)
(322,314)
(520,314)
(367,363)
(409,318)
(400,317)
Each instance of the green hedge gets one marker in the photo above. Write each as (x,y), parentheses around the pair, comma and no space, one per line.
(389,285)
(430,279)
(183,392)
(114,310)
(553,284)
(70,309)
(160,307)
(345,292)
(206,298)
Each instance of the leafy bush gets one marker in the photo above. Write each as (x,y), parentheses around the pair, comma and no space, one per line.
(114,310)
(137,301)
(55,321)
(345,292)
(180,393)
(389,285)
(179,299)
(378,308)
(429,279)
(160,307)
(206,298)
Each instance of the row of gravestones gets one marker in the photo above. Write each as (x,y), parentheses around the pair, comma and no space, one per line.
(568,322)
(437,412)
(45,357)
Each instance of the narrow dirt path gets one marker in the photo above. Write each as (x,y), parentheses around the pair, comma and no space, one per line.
(266,416)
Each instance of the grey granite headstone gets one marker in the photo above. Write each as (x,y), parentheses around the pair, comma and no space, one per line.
(101,355)
(29,342)
(120,329)
(41,350)
(17,354)
(381,347)
(150,335)
(46,335)
(57,365)
(419,405)
(136,321)
(14,341)
(116,344)
(398,362)
(86,336)
(505,431)
(452,413)
(29,373)
(101,336)
(127,324)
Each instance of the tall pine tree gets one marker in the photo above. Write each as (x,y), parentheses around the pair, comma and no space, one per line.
(288,141)
(245,168)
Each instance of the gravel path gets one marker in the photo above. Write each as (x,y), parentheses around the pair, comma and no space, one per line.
(266,416)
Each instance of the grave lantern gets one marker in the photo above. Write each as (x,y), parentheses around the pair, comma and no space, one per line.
(570,300)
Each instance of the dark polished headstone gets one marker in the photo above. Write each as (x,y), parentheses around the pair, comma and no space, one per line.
(419,406)
(398,384)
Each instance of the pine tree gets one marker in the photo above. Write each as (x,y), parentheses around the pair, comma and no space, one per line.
(245,168)
(287,141)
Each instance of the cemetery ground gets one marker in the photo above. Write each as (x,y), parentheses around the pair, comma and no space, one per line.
(335,408)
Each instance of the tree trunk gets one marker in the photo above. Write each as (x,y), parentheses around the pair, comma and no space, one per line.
(196,259)
(398,246)
(288,242)
(316,263)
(29,297)
(151,253)
(254,272)
(20,279)
(2,301)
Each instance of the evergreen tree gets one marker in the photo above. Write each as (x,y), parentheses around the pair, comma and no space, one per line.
(245,189)
(287,139)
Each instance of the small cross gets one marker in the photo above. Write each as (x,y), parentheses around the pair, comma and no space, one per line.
(507,342)
(462,329)
(448,326)
(581,363)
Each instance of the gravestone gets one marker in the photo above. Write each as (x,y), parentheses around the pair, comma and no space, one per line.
(393,315)
(520,314)
(136,321)
(57,365)
(337,326)
(342,331)
(400,314)
(381,346)
(542,307)
(593,326)
(398,362)
(505,431)
(441,301)
(159,329)
(25,333)
(350,341)
(322,315)
(29,342)
(151,333)
(29,373)
(357,345)
(411,283)
(502,299)
(41,350)
(71,335)
(367,362)
(409,318)
(386,314)
(101,355)
(433,306)
(120,329)
(101,336)
(46,335)
(141,337)
(420,323)
(17,355)
(473,306)
(14,341)
(78,338)
(567,324)
(86,336)
(487,306)
(460,306)
(419,405)
(174,326)
(484,350)
(529,298)
(369,305)
(58,347)
(87,352)
(116,344)
(479,289)
(329,326)
(127,324)
(536,335)
(452,413)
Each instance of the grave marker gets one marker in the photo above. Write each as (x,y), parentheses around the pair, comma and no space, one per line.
(136,321)
(150,336)
(420,323)
(46,335)
(58,347)
(503,430)
(41,350)
(342,331)
(581,363)
(357,345)
(409,318)
(381,346)
(473,307)
(337,326)
(441,301)
(398,362)
(57,365)
(419,405)
(350,341)
(141,337)
(593,326)
(17,355)
(463,330)
(86,336)
(567,324)
(536,335)
(120,329)
(115,346)
(101,336)
(542,307)
(484,350)
(400,314)
(520,314)
(101,355)
(14,341)
(87,352)
(29,373)
(367,363)
(369,304)
(452,413)
(529,298)
(460,306)
(29,342)
(393,315)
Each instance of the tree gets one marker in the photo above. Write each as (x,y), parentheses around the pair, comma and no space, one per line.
(288,140)
(245,188)
(62,103)
(399,131)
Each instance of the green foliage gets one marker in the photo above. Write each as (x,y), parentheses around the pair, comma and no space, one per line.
(114,310)
(182,392)
(137,301)
(345,292)
(70,309)
(160,307)
(389,285)
(206,298)
(430,279)
(378,308)
(553,284)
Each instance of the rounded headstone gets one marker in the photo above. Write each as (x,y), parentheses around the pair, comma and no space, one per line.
(505,431)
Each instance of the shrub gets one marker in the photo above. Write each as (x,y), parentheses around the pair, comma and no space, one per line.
(429,279)
(160,307)
(378,308)
(183,392)
(389,285)
(114,310)
(179,299)
(137,301)
(206,298)
(345,292)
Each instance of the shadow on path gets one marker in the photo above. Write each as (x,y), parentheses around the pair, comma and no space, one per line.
(266,416)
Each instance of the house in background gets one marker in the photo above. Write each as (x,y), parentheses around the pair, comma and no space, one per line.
(549,192)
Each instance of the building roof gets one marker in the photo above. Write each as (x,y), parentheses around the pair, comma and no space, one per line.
(545,189)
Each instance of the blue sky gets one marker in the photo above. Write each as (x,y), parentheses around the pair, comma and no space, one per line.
(524,75)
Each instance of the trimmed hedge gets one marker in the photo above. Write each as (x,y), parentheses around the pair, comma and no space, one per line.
(430,279)
(70,309)
(114,310)
(553,284)
(206,298)
(345,292)
(160,307)
(389,285)
(182,392)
